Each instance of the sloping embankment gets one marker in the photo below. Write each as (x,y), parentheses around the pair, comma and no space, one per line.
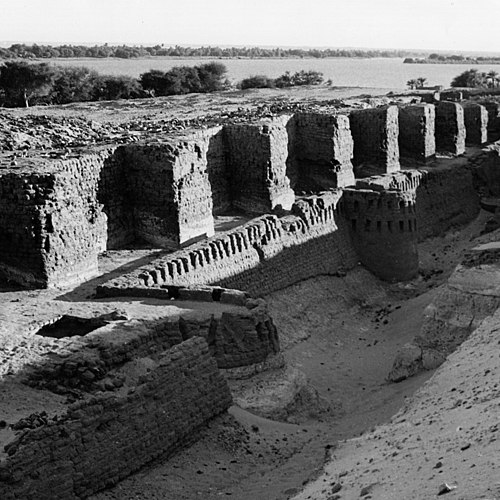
(446,438)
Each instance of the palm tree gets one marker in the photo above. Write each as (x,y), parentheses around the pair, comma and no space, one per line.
(421,81)
(412,84)
(493,77)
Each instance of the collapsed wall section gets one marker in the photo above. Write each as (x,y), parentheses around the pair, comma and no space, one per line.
(106,437)
(450,128)
(322,152)
(375,132)
(476,123)
(256,156)
(417,131)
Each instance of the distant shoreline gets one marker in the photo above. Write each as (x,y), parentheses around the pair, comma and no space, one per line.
(182,58)
(410,60)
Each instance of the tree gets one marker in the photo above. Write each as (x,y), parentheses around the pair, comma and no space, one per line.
(492,76)
(412,84)
(421,82)
(469,78)
(73,84)
(22,81)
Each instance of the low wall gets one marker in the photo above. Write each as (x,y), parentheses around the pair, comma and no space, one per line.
(107,437)
(267,253)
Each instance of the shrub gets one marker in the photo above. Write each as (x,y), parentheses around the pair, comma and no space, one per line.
(299,78)
(469,78)
(108,88)
(185,79)
(257,82)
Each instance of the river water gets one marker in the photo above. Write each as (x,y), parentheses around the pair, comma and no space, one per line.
(377,72)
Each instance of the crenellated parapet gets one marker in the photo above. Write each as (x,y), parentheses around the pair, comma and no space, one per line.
(383,224)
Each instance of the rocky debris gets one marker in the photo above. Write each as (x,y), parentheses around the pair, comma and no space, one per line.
(31,422)
(445,488)
(408,362)
(52,135)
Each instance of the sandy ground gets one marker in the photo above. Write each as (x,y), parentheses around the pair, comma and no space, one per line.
(343,334)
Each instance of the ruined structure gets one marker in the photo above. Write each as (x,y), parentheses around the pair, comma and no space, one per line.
(310,215)
(57,216)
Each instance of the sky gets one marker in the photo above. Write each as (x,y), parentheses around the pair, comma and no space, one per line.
(454,25)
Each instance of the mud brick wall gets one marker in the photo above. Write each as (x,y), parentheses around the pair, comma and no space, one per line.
(375,133)
(450,128)
(416,131)
(53,223)
(476,123)
(266,254)
(445,198)
(113,193)
(257,162)
(21,224)
(493,109)
(209,261)
(384,230)
(172,197)
(109,436)
(217,170)
(323,150)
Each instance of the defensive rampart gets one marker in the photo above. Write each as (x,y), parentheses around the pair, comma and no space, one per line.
(56,216)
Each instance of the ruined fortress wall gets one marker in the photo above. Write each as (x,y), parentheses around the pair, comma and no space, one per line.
(323,150)
(450,128)
(493,109)
(107,437)
(476,123)
(267,253)
(218,175)
(375,132)
(172,197)
(54,222)
(114,200)
(445,198)
(384,230)
(416,131)
(257,156)
(21,225)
